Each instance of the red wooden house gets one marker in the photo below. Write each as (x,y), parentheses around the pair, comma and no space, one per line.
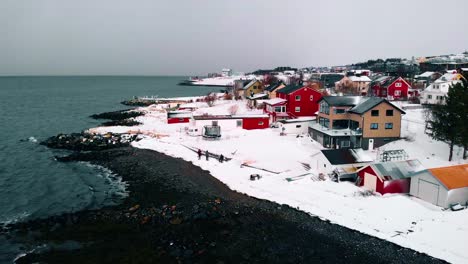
(393,88)
(301,100)
(276,109)
(388,177)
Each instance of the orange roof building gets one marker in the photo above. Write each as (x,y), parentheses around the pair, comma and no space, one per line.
(453,177)
(442,186)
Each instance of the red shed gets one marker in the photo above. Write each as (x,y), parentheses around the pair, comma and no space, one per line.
(254,121)
(301,100)
(388,177)
(393,88)
(176,117)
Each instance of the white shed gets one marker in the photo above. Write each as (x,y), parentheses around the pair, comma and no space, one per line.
(295,126)
(441,186)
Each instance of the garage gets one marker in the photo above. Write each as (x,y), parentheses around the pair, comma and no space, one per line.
(441,186)
(428,191)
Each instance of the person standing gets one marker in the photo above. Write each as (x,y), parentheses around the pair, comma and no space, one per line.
(207,154)
(221,158)
(199,154)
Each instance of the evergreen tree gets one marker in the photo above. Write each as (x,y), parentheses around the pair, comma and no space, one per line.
(449,122)
(459,93)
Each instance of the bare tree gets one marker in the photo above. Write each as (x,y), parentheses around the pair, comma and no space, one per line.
(233,109)
(210,99)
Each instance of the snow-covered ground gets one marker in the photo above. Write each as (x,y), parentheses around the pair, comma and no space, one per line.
(401,219)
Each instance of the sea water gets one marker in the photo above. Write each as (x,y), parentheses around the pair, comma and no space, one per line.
(33,184)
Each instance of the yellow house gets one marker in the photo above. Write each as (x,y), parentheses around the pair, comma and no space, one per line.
(271,90)
(356,122)
(253,87)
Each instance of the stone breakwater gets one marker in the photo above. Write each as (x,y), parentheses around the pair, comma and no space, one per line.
(119,118)
(87,141)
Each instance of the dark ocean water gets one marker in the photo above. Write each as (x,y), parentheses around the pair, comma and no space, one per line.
(32,183)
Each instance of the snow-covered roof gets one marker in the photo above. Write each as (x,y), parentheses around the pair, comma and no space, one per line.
(397,169)
(257,96)
(251,116)
(425,74)
(359,79)
(448,77)
(250,84)
(274,101)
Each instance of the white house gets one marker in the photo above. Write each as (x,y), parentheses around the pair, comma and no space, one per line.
(435,93)
(441,186)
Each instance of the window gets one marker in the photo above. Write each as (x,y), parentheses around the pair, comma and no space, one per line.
(429,96)
(374,126)
(388,125)
(311,98)
(397,92)
(298,97)
(239,123)
(339,111)
(375,113)
(298,126)
(297,109)
(398,84)
(324,122)
(389,113)
(181,119)
(324,108)
(260,123)
(280,109)
(345,143)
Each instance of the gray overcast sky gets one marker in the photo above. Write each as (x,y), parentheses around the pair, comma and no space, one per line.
(181,37)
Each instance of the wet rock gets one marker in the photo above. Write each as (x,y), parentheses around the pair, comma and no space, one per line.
(118,115)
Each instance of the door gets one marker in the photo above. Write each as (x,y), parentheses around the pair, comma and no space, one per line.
(370,182)
(428,191)
(371,144)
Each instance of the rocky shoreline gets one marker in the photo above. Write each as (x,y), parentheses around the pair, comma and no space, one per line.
(178,213)
(119,118)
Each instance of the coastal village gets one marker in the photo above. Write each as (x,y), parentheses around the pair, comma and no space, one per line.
(348,144)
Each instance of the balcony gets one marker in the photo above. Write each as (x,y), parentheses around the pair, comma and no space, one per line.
(335,132)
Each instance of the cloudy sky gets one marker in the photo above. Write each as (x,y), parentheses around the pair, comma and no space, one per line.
(180,37)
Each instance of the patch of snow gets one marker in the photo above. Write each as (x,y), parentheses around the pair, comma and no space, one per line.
(401,219)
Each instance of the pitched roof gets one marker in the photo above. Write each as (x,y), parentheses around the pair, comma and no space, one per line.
(449,77)
(397,169)
(425,74)
(343,100)
(250,84)
(359,78)
(272,87)
(366,105)
(345,156)
(290,88)
(360,104)
(275,101)
(452,177)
